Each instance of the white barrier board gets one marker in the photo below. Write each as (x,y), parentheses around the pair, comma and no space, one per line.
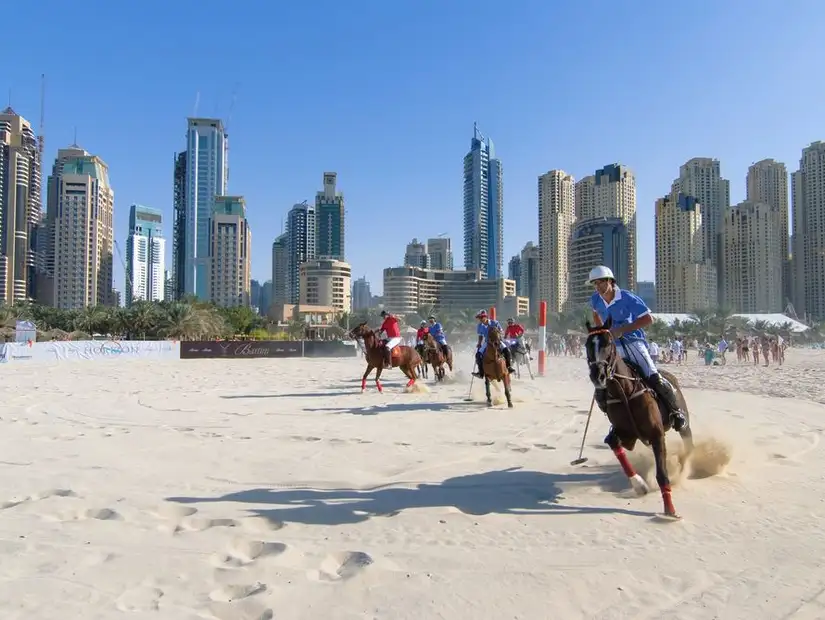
(89,350)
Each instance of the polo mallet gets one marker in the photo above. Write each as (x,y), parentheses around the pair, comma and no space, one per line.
(469,398)
(581,460)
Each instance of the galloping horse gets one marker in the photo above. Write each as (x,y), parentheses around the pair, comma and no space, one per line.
(434,355)
(494,367)
(633,410)
(404,357)
(520,352)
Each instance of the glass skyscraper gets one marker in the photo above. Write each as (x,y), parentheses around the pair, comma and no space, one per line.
(483,209)
(206,174)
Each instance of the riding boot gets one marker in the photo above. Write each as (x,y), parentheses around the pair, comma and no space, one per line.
(508,359)
(664,390)
(387,357)
(480,364)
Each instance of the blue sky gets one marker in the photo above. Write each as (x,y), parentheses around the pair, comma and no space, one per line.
(386,92)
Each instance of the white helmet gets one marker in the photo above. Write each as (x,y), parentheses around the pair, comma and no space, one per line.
(600,273)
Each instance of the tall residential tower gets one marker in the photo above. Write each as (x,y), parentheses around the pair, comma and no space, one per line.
(483,209)
(204,175)
(145,255)
(808,189)
(20,207)
(329,220)
(79,261)
(556,195)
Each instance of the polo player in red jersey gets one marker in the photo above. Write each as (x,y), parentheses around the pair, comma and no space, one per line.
(390,336)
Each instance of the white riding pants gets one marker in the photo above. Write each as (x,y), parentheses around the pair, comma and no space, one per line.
(393,342)
(636,351)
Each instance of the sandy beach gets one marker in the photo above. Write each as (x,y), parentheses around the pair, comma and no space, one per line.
(256,489)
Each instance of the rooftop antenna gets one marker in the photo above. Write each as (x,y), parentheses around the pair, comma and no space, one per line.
(197,103)
(9,96)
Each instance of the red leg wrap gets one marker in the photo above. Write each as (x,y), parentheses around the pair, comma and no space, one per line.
(621,456)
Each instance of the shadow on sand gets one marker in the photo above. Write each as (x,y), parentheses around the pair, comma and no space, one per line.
(295,395)
(378,408)
(510,491)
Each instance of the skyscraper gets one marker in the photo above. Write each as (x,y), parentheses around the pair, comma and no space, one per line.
(767,182)
(441,253)
(685,277)
(20,207)
(808,189)
(483,208)
(598,241)
(416,255)
(178,275)
(361,295)
(145,255)
(701,178)
(280,269)
(301,238)
(751,258)
(206,176)
(556,197)
(79,224)
(329,220)
(230,252)
(615,196)
(527,284)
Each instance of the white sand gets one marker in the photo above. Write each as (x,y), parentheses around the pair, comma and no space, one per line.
(274,489)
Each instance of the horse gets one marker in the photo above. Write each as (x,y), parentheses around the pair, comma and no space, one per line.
(422,368)
(494,367)
(404,357)
(634,411)
(434,355)
(520,352)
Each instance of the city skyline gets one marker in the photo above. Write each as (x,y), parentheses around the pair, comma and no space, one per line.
(534,130)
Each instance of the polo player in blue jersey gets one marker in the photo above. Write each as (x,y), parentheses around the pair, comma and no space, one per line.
(629,316)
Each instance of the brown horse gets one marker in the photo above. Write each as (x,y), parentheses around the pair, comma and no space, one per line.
(634,412)
(404,357)
(494,367)
(435,356)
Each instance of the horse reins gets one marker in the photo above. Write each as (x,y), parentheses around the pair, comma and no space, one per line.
(612,375)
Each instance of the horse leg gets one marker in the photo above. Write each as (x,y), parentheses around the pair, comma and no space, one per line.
(636,481)
(660,456)
(364,378)
(409,373)
(507,391)
(487,392)
(378,370)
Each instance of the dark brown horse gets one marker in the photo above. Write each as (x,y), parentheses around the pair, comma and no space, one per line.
(434,355)
(634,412)
(494,367)
(404,357)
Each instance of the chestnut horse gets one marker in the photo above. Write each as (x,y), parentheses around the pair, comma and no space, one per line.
(434,355)
(634,412)
(494,367)
(404,357)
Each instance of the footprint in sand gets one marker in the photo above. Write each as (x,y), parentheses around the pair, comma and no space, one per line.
(140,599)
(229,593)
(245,609)
(342,566)
(242,552)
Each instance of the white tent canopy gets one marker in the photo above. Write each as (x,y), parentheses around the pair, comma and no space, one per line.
(773,320)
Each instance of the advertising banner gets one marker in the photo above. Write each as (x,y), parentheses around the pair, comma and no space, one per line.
(240,349)
(72,350)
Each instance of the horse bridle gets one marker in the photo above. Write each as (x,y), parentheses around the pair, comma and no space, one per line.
(609,363)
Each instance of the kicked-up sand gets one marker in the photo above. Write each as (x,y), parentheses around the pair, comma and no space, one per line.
(256,489)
